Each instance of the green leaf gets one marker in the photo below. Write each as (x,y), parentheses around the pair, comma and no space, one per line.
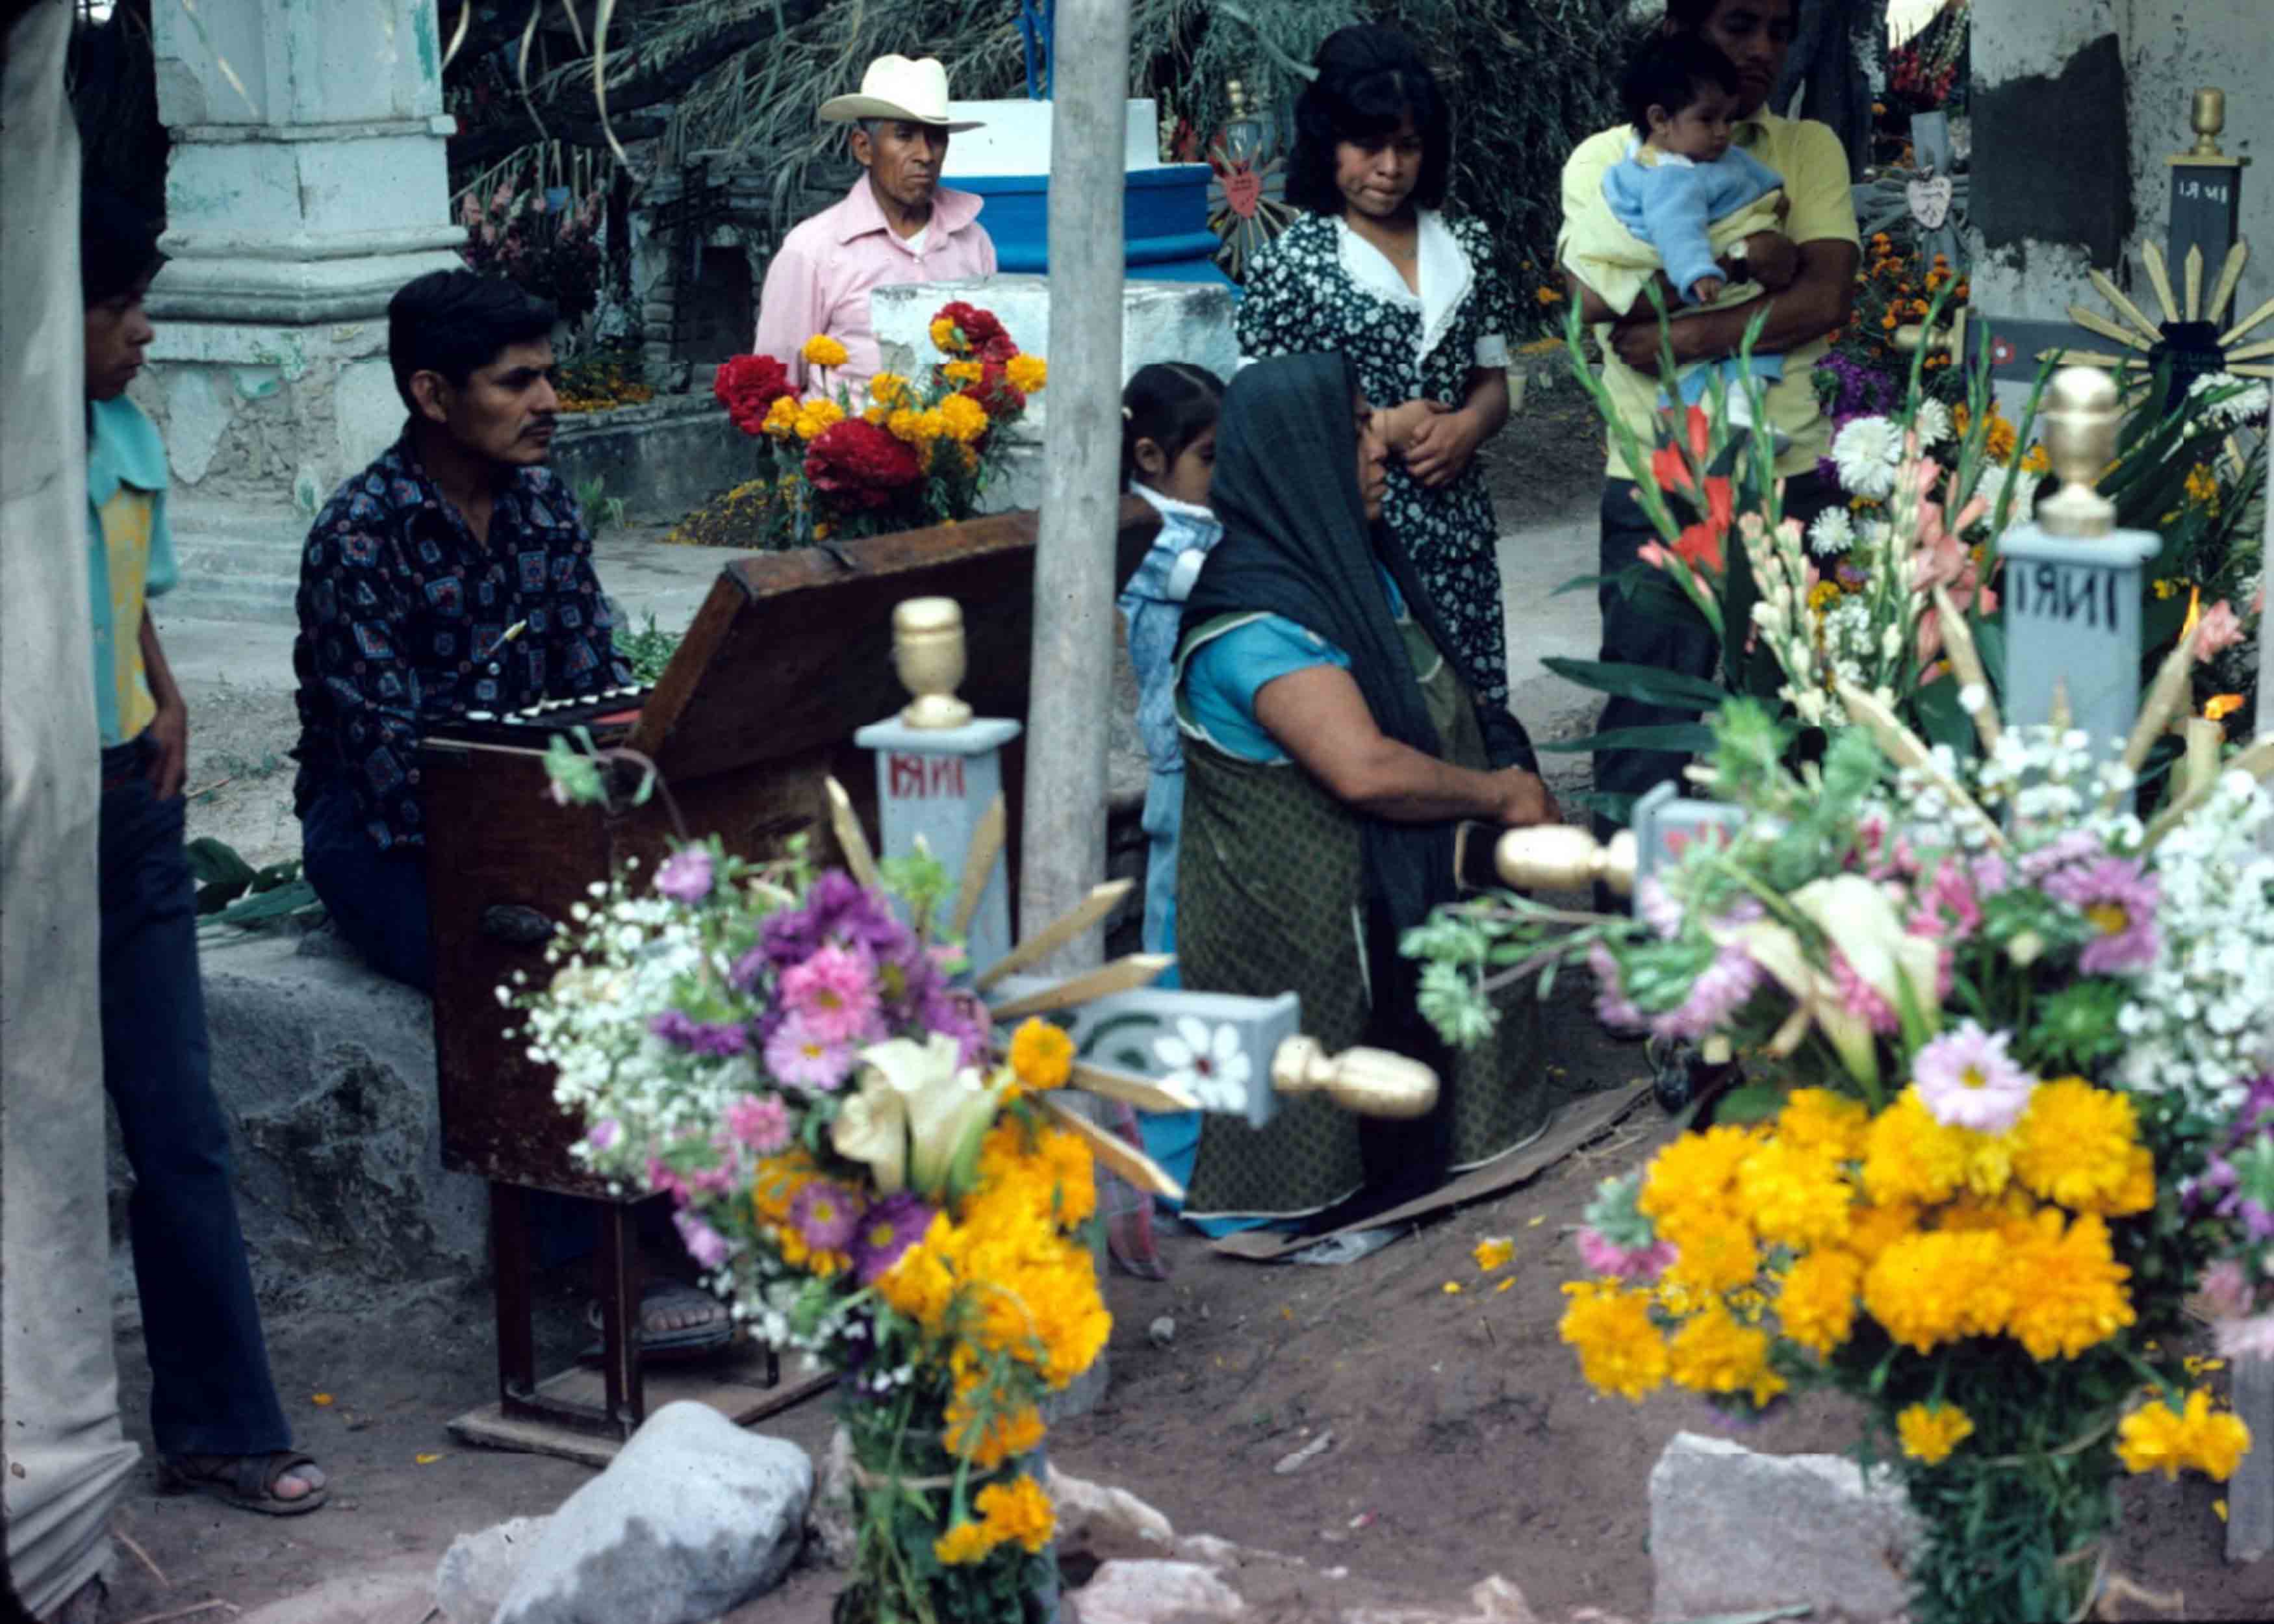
(291,897)
(213,862)
(1753,1102)
(1940,717)
(1645,684)
(1690,738)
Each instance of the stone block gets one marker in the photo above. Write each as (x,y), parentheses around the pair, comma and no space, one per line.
(692,1519)
(197,417)
(474,1574)
(1160,321)
(1731,1530)
(326,1072)
(368,413)
(1155,1592)
(665,458)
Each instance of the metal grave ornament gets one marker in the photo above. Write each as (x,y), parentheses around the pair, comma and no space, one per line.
(2072,579)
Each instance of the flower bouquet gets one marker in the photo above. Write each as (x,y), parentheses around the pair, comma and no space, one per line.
(911,452)
(864,1169)
(2002,1039)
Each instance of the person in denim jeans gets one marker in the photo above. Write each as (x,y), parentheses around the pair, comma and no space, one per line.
(214,1411)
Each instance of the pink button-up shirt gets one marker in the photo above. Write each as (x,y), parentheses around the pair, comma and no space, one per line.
(822,274)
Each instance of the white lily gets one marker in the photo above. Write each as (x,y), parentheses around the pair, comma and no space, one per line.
(872,1127)
(1863,923)
(917,1106)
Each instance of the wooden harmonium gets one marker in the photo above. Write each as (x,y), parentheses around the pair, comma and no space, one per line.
(788,655)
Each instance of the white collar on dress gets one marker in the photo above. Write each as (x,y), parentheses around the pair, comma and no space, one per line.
(1169,507)
(1660,160)
(1444,272)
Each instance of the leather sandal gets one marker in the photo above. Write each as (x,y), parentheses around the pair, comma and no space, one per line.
(246,1481)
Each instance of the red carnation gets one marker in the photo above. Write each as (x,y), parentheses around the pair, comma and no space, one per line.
(860,465)
(995,392)
(748,385)
(981,331)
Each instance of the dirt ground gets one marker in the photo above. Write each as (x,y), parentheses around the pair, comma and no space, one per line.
(1464,1442)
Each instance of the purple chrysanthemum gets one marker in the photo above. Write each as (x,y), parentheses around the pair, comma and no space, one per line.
(2119,899)
(887,1230)
(837,910)
(1966,1080)
(721,1040)
(685,875)
(827,1215)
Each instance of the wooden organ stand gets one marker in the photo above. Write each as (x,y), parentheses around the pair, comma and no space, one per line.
(789,654)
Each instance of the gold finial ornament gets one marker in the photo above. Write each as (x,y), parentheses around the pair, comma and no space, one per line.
(928,654)
(2081,424)
(2209,117)
(1367,1082)
(1565,857)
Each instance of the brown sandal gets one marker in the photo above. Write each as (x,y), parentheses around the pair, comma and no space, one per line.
(246,1481)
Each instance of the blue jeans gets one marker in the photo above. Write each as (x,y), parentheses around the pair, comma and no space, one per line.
(211,1393)
(377,899)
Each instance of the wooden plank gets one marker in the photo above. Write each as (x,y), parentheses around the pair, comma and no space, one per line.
(1096,906)
(2250,1496)
(978,863)
(1124,974)
(1586,1123)
(730,1389)
(2159,278)
(2237,257)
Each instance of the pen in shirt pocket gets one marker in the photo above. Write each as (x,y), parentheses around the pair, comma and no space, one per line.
(503,638)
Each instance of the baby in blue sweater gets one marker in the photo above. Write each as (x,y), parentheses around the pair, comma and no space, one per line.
(1682,179)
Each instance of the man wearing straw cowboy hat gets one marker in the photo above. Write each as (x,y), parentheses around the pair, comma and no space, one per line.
(898,224)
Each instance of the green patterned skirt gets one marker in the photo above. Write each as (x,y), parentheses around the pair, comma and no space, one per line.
(1268,903)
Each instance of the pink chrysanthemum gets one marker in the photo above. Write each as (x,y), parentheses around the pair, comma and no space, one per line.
(1946,904)
(2118,900)
(1966,1080)
(1613,1007)
(827,1216)
(1720,991)
(705,1243)
(685,875)
(798,1057)
(834,994)
(759,1123)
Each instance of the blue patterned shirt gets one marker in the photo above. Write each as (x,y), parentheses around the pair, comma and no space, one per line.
(403,617)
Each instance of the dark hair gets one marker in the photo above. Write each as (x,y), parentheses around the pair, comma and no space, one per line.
(1668,70)
(1690,16)
(117,246)
(1171,403)
(452,322)
(1369,77)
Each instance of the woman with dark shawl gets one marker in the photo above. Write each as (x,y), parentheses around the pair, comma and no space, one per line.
(1330,749)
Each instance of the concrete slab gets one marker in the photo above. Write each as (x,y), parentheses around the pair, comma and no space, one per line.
(400,1592)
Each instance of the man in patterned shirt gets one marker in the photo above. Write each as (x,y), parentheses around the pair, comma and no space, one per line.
(453,573)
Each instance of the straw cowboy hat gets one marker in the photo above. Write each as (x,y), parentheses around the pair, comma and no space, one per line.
(896,87)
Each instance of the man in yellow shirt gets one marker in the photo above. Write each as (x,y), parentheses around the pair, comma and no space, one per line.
(1808,274)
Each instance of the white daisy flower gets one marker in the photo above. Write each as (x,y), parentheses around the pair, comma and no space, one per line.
(1212,1066)
(1832,534)
(1867,453)
(1932,422)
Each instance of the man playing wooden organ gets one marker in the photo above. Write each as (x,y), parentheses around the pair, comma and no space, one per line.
(453,575)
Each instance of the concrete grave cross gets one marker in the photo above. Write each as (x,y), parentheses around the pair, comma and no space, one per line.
(938,781)
(1933,198)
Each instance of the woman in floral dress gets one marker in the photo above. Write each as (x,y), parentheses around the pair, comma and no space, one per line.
(1374,271)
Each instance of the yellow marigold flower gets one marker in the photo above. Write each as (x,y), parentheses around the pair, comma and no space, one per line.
(1697,1172)
(920,1285)
(878,415)
(1925,1289)
(2154,1438)
(817,416)
(931,425)
(2167,587)
(823,351)
(2216,1443)
(2038,461)
(1019,1510)
(2001,439)
(1817,1303)
(1001,1439)
(1620,1349)
(1715,1354)
(1818,1119)
(2079,1145)
(964,1545)
(1823,595)
(1872,1230)
(1494,1253)
(1041,1055)
(962,374)
(947,338)
(781,417)
(906,425)
(2202,488)
(1028,374)
(1794,1196)
(1910,1156)
(1713,1253)
(1931,1432)
(2068,1287)
(963,419)
(888,388)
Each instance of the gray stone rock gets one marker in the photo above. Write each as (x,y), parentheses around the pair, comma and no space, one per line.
(475,1573)
(326,1072)
(692,1519)
(830,1518)
(1731,1530)
(1149,1592)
